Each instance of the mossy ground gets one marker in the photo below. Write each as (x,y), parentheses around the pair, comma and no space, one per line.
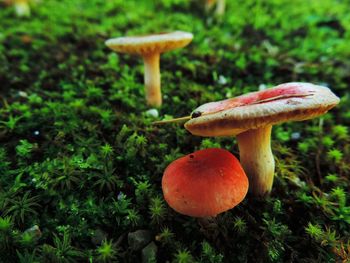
(80,158)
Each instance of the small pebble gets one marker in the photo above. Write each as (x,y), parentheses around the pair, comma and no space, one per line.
(153,113)
(23,94)
(295,135)
(120,196)
(149,253)
(139,239)
(222,80)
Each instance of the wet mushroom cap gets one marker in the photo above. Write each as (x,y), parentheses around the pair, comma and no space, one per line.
(295,101)
(204,183)
(150,44)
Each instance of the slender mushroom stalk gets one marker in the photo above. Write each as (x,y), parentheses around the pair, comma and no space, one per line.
(22,8)
(152,79)
(150,47)
(220,7)
(257,159)
(250,117)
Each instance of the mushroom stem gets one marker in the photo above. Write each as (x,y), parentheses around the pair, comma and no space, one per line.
(220,8)
(257,159)
(152,80)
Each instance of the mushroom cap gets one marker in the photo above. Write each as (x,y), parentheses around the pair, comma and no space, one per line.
(204,183)
(150,44)
(295,101)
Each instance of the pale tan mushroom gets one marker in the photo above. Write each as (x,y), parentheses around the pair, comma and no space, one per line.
(150,47)
(22,7)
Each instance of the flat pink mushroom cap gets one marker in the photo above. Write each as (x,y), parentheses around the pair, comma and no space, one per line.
(295,101)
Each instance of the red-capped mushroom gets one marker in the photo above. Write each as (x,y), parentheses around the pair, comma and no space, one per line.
(204,183)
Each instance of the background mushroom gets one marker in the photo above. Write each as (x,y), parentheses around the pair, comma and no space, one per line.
(22,7)
(204,183)
(220,6)
(209,4)
(150,47)
(251,117)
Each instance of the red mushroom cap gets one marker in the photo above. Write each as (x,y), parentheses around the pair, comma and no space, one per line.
(204,183)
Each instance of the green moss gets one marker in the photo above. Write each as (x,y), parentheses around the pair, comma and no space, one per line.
(79,154)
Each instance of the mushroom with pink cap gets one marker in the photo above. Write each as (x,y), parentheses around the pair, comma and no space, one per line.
(250,117)
(150,47)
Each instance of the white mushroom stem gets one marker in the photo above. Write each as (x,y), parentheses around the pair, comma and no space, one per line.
(220,8)
(152,80)
(257,159)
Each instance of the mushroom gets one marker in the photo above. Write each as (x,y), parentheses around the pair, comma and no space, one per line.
(22,8)
(251,117)
(204,183)
(220,6)
(150,47)
(209,4)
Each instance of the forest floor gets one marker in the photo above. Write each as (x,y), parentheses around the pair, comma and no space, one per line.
(81,161)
